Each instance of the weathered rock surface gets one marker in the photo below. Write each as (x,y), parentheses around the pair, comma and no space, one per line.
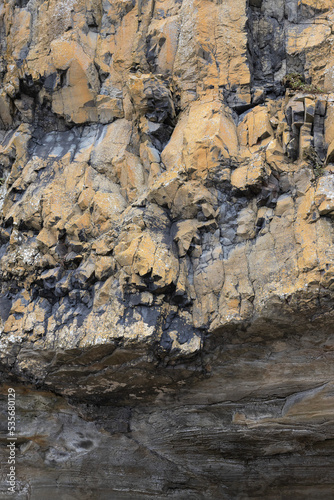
(166,248)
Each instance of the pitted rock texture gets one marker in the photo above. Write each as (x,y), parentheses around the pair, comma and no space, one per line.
(166,244)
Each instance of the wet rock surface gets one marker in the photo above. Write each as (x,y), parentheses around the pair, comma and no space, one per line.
(166,247)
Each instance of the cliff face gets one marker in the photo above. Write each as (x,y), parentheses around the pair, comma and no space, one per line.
(166,247)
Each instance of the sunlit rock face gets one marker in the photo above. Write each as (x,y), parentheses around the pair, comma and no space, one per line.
(166,248)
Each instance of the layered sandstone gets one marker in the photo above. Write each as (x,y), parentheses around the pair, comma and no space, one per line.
(166,258)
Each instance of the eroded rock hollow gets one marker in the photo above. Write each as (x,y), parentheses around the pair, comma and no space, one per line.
(166,248)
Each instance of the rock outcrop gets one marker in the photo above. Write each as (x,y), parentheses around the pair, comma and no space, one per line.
(166,247)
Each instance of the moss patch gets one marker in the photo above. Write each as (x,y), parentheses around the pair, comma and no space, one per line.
(296,81)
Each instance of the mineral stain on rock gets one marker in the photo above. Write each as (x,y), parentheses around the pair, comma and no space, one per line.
(166,248)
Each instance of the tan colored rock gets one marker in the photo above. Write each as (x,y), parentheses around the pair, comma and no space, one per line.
(111,145)
(5,110)
(255,127)
(309,38)
(236,289)
(317,4)
(249,175)
(144,258)
(203,62)
(188,199)
(130,172)
(16,146)
(324,194)
(186,231)
(126,250)
(303,178)
(275,155)
(103,293)
(166,243)
(109,108)
(284,203)
(46,238)
(305,140)
(309,110)
(150,96)
(124,41)
(86,198)
(204,135)
(83,223)
(166,266)
(264,215)
(246,223)
(104,267)
(107,206)
(76,98)
(165,187)
(103,245)
(259,126)
(164,33)
(330,153)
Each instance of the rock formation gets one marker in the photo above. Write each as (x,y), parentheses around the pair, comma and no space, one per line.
(166,248)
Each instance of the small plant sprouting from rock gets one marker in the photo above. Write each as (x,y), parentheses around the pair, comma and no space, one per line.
(296,81)
(312,157)
(293,81)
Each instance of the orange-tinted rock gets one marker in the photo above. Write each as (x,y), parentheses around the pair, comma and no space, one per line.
(166,246)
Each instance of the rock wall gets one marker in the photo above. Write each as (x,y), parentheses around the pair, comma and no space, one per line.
(166,247)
